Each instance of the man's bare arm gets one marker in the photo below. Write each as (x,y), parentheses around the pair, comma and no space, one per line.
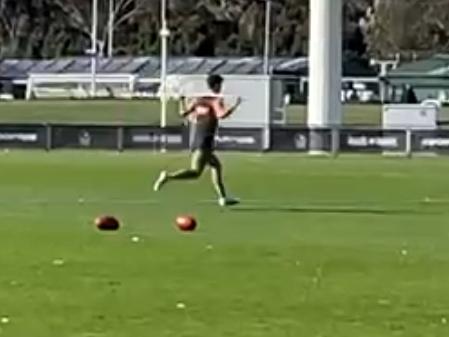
(187,108)
(222,112)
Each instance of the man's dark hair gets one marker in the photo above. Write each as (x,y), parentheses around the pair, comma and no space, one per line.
(213,80)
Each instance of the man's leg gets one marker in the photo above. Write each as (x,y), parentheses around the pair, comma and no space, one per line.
(198,162)
(217,179)
(217,176)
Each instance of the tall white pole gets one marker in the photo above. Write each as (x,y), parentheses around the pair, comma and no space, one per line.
(267,42)
(111,29)
(325,70)
(164,55)
(94,49)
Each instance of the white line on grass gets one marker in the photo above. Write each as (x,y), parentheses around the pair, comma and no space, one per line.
(245,202)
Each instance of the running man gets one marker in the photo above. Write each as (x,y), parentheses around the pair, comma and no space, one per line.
(204,113)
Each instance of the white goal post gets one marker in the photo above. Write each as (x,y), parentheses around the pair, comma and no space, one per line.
(41,85)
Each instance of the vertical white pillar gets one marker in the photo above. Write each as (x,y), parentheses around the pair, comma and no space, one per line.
(111,29)
(325,71)
(94,48)
(164,33)
(267,38)
(267,71)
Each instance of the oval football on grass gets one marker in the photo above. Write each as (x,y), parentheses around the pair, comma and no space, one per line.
(186,223)
(107,223)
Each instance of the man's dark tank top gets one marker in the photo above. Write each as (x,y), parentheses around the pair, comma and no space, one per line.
(205,125)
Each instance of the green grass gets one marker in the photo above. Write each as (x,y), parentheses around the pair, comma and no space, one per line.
(137,112)
(148,112)
(119,111)
(320,247)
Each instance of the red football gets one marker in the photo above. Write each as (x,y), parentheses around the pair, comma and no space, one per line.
(107,223)
(186,223)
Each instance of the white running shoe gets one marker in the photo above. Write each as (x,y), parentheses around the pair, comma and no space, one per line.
(228,201)
(161,180)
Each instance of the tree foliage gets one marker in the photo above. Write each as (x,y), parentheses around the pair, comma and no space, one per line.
(52,28)
(408,27)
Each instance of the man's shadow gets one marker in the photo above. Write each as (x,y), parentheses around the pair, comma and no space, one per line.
(329,210)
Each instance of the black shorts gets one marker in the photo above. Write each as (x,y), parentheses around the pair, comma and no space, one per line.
(206,143)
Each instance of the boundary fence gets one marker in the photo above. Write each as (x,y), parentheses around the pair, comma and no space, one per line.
(281,139)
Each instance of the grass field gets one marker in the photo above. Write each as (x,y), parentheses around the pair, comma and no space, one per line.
(138,112)
(350,247)
(148,112)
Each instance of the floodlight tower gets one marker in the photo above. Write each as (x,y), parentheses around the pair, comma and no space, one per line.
(111,28)
(325,71)
(267,41)
(164,33)
(94,48)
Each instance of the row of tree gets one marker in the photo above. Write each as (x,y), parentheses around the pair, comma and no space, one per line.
(372,28)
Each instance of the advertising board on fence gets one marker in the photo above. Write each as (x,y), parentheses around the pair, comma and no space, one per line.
(289,139)
(239,139)
(372,141)
(23,136)
(154,138)
(431,141)
(84,137)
